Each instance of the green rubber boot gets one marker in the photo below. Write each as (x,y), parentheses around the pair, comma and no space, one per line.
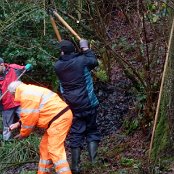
(75,160)
(92,150)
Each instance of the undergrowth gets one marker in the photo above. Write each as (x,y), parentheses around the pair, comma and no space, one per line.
(15,154)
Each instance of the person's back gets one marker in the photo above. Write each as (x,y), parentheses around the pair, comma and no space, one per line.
(75,79)
(41,102)
(76,85)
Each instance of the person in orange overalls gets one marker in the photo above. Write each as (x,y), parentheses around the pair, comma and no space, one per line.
(45,109)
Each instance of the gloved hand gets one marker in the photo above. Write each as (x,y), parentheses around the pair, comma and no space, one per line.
(83,43)
(28,67)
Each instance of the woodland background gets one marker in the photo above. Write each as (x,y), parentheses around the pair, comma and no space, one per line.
(131,41)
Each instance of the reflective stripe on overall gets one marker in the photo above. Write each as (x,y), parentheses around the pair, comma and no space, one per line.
(52,150)
(39,106)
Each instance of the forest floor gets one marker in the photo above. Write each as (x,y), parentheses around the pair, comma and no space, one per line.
(124,148)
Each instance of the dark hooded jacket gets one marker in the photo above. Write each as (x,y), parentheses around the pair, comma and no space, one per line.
(76,84)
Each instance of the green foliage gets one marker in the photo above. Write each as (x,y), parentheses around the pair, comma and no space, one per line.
(156,11)
(27,172)
(141,99)
(101,74)
(16,153)
(124,45)
(126,162)
(130,125)
(23,41)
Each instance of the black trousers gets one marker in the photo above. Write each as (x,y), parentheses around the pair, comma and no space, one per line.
(84,127)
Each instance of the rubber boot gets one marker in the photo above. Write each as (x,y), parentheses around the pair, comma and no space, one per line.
(92,150)
(75,160)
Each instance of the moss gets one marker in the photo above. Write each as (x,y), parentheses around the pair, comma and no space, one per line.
(163,145)
(161,137)
(162,130)
(126,162)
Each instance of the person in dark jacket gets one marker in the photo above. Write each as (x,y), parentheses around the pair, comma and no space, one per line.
(76,85)
(10,109)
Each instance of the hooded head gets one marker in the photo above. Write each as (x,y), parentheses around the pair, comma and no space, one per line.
(67,47)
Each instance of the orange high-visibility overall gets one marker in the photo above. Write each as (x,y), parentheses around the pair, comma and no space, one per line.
(38,107)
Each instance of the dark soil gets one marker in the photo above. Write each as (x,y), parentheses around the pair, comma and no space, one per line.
(115,100)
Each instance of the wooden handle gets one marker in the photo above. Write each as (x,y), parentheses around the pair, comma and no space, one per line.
(66,25)
(55,28)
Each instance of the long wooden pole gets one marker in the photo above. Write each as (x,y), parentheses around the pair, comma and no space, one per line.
(51,2)
(66,25)
(55,28)
(161,88)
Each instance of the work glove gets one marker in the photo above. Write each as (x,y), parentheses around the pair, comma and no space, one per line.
(28,67)
(83,43)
